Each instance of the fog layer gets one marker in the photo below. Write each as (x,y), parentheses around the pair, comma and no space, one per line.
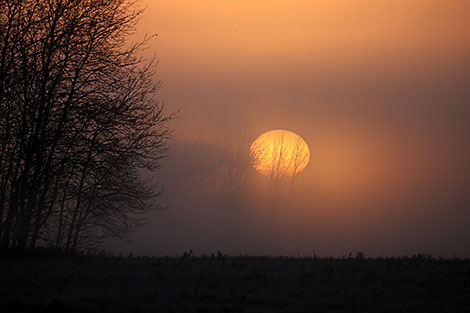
(380,92)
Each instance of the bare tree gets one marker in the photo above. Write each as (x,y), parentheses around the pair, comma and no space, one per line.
(300,156)
(279,158)
(78,119)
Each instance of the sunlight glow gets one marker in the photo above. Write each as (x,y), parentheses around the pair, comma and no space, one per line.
(279,153)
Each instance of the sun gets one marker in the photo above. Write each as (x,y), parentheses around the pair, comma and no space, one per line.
(279,152)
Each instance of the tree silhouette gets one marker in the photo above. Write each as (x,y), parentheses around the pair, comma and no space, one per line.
(78,120)
(280,157)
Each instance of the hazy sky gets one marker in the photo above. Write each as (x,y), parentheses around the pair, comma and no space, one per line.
(380,90)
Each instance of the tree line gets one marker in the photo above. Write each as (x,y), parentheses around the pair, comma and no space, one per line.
(79,121)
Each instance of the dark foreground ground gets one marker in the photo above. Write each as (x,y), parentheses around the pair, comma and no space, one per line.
(233,284)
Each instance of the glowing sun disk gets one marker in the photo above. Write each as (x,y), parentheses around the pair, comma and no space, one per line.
(279,152)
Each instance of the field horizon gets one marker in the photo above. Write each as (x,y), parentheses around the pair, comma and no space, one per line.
(221,283)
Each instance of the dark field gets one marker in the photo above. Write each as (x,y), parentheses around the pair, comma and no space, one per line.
(233,284)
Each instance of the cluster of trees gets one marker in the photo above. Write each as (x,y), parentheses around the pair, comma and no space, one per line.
(236,167)
(78,121)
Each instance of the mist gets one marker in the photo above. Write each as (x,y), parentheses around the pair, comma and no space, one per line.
(382,104)
(399,201)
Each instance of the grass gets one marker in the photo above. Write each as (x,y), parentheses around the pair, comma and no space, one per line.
(220,283)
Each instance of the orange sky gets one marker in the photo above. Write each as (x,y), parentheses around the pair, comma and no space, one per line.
(378,89)
(247,32)
(262,50)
